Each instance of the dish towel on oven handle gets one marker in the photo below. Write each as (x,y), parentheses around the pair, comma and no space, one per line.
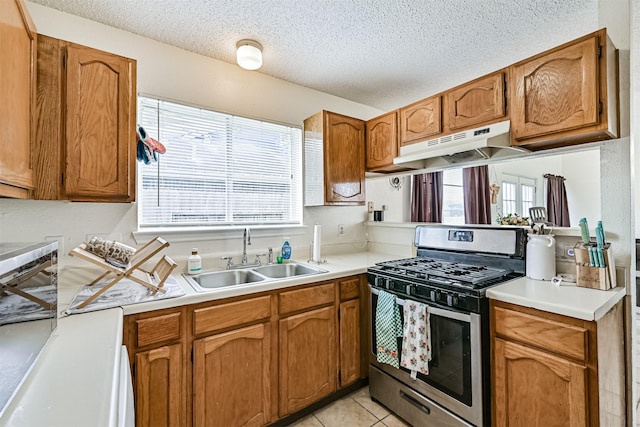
(416,338)
(388,329)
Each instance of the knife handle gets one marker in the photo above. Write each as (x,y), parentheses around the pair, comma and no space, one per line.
(584,230)
(592,257)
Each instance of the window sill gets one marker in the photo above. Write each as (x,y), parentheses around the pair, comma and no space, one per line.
(197,234)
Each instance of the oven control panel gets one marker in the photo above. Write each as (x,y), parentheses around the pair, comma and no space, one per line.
(425,293)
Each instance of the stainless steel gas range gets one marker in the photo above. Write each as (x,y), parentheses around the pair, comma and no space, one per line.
(453,268)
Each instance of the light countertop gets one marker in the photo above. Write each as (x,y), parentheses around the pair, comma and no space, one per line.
(75,380)
(568,300)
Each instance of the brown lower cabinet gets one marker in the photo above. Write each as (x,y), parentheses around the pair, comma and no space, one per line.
(547,369)
(159,385)
(249,360)
(231,380)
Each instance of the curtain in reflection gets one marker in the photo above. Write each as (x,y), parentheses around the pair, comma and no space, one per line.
(477,196)
(426,197)
(557,204)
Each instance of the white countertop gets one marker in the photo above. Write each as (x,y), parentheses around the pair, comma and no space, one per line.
(335,265)
(568,300)
(75,380)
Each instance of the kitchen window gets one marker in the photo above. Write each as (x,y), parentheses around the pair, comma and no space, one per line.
(452,197)
(518,195)
(219,170)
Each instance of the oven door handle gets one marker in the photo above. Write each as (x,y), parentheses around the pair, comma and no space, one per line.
(433,310)
(415,403)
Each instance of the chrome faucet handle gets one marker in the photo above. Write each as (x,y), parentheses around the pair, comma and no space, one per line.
(229,260)
(270,259)
(258,261)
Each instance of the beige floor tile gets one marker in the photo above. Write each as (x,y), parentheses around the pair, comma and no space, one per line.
(310,421)
(393,421)
(363,398)
(345,412)
(379,424)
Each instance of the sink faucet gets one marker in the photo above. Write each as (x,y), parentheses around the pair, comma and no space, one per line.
(246,240)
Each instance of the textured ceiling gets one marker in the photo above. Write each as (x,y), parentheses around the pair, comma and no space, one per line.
(381,53)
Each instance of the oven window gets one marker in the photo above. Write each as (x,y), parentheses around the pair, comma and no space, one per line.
(450,365)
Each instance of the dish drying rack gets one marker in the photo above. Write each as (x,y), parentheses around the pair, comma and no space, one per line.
(152,279)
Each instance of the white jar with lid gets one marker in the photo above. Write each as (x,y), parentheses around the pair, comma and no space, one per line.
(541,257)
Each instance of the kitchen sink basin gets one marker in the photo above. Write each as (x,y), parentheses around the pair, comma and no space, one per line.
(243,276)
(287,270)
(221,279)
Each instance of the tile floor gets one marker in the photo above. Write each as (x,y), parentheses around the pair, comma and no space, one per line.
(354,410)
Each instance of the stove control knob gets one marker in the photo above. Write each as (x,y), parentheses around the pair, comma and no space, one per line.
(452,300)
(432,295)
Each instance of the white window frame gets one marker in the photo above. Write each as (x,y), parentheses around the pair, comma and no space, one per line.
(228,230)
(520,183)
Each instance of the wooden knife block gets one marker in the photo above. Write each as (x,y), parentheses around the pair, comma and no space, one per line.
(594,277)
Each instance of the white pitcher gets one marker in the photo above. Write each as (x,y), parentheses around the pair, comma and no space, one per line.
(541,257)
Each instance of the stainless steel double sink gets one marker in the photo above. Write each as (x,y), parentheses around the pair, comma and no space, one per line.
(220,279)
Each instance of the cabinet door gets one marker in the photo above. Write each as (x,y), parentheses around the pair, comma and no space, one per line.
(307,358)
(382,141)
(556,92)
(159,387)
(349,342)
(231,378)
(533,388)
(420,120)
(100,129)
(17,86)
(476,102)
(343,160)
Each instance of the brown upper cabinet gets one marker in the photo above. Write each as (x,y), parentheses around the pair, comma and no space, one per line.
(382,142)
(85,133)
(481,101)
(17,90)
(420,120)
(334,160)
(567,95)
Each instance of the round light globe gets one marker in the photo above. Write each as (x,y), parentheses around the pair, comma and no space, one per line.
(249,54)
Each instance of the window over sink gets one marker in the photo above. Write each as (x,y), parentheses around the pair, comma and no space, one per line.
(219,170)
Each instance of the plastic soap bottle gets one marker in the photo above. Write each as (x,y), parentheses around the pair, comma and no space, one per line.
(286,250)
(194,264)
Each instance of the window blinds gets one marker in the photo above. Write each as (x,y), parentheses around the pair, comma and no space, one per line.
(219,169)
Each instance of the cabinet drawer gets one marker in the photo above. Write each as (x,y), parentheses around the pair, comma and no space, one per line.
(158,329)
(223,316)
(349,289)
(547,334)
(302,299)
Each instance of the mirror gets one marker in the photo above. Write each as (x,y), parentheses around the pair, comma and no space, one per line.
(581,170)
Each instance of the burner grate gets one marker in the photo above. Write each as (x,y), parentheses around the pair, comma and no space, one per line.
(428,268)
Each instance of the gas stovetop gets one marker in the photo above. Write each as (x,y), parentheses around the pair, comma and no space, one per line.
(439,271)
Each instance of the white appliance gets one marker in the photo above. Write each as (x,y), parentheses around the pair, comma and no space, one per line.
(126,412)
(481,143)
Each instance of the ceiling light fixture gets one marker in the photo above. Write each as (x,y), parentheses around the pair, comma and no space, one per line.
(249,54)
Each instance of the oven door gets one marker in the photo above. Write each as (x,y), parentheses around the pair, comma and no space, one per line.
(455,369)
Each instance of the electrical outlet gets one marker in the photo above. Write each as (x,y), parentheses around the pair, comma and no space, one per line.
(340,229)
(370,207)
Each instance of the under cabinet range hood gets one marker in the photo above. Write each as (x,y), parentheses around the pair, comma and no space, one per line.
(471,145)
